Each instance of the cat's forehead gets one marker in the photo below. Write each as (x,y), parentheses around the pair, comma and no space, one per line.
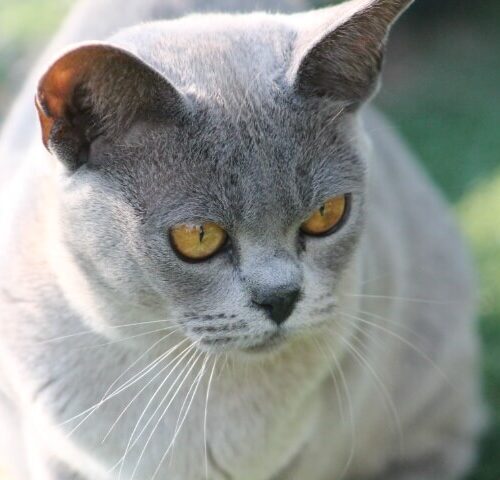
(250,147)
(265,169)
(215,54)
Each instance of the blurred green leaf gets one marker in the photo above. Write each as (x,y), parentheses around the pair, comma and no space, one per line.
(27,21)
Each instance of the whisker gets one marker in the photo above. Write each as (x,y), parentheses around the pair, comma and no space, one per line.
(418,270)
(335,383)
(125,386)
(151,366)
(106,395)
(142,389)
(406,342)
(226,361)
(380,385)
(142,356)
(130,445)
(92,332)
(121,340)
(352,452)
(404,299)
(181,410)
(376,278)
(194,359)
(197,380)
(398,325)
(205,417)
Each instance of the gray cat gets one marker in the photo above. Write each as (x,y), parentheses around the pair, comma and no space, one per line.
(225,266)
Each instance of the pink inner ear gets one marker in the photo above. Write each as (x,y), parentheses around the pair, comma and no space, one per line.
(109,73)
(54,92)
(59,90)
(46,122)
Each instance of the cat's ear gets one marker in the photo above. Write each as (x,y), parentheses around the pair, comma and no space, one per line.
(98,89)
(340,49)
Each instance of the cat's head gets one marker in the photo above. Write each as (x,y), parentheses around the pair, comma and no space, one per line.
(212,169)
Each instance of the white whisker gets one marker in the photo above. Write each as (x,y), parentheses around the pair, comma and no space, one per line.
(352,452)
(92,332)
(205,417)
(404,299)
(335,383)
(148,368)
(399,325)
(405,341)
(121,340)
(127,384)
(380,385)
(144,388)
(181,410)
(197,380)
(130,445)
(196,357)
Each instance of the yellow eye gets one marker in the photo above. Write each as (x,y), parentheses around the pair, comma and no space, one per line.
(197,242)
(327,218)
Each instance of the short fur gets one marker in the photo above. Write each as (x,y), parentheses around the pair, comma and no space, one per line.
(252,121)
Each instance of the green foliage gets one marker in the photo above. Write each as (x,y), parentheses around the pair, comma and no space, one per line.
(448,106)
(480,215)
(445,101)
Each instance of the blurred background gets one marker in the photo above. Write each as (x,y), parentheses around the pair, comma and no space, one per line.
(441,89)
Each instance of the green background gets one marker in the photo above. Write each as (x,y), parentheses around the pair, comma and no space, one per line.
(441,88)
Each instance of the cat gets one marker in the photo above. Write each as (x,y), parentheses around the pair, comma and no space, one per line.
(218,262)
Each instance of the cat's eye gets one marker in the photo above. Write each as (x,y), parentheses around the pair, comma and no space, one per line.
(328,218)
(197,242)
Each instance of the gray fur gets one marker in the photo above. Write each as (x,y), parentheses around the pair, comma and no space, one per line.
(85,249)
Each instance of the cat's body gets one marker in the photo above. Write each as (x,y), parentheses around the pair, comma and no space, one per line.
(404,404)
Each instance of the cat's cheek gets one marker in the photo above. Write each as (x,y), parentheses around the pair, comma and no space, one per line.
(328,258)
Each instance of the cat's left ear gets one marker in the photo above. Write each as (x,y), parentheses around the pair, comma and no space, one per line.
(339,50)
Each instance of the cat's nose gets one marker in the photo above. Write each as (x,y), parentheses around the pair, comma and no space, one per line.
(278,305)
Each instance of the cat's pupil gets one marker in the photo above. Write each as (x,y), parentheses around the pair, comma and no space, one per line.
(202,233)
(322,210)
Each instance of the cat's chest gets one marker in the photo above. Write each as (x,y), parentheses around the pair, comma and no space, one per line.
(163,419)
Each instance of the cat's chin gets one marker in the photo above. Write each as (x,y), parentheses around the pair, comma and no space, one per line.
(271,344)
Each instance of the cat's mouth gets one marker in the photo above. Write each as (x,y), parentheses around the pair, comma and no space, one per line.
(270,343)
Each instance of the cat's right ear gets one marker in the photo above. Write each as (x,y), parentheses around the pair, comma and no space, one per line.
(99,89)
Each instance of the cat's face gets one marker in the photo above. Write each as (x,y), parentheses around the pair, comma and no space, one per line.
(258,179)
(242,155)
